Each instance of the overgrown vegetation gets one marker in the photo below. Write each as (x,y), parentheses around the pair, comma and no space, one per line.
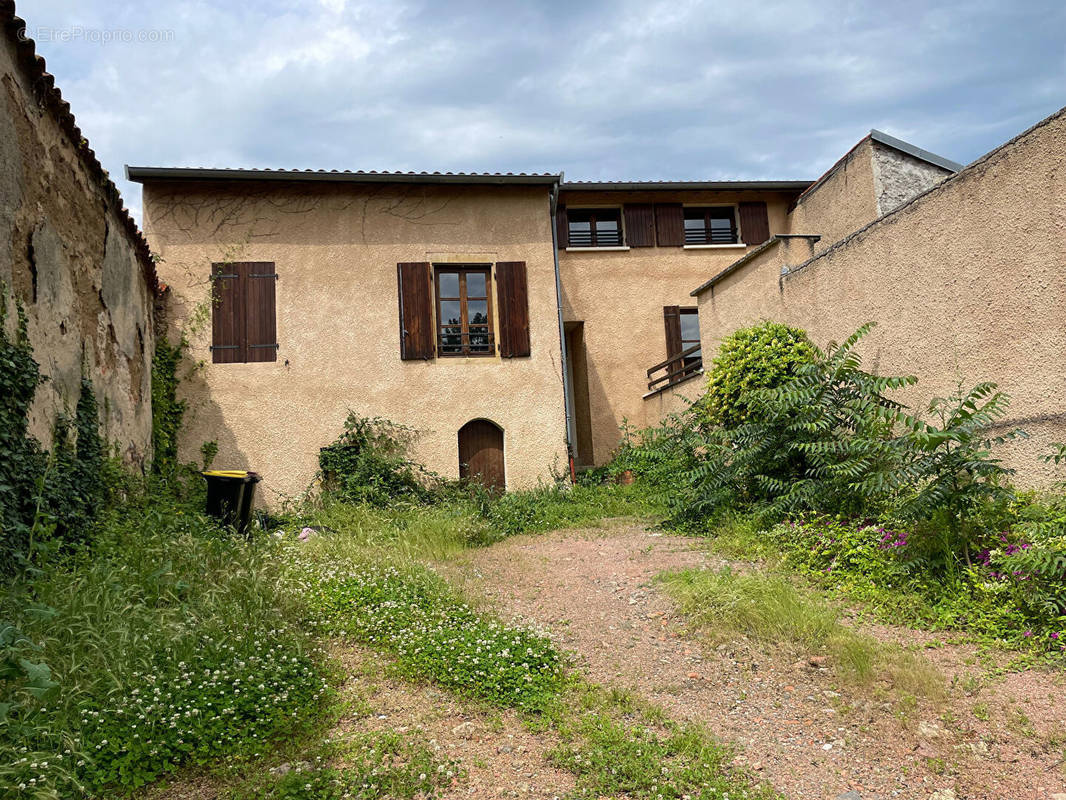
(830,441)
(768,608)
(167,410)
(47,499)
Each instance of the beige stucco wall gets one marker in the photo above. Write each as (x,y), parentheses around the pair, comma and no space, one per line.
(335,247)
(842,201)
(967,283)
(619,296)
(68,257)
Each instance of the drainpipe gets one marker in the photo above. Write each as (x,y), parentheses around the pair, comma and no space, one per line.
(568,390)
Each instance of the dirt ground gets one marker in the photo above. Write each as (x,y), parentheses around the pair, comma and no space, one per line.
(994,736)
(796,725)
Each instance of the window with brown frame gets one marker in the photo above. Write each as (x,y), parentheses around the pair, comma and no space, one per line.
(711,225)
(464,311)
(601,227)
(689,320)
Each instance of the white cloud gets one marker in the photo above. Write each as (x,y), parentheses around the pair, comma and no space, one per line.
(600,89)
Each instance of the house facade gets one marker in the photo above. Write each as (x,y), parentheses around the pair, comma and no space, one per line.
(517,321)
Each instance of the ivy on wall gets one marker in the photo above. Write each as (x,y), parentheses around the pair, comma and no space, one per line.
(47,499)
(167,409)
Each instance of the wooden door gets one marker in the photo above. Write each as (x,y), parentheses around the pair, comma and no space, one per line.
(481,454)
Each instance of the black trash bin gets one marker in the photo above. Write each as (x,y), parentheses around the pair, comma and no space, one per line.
(230,496)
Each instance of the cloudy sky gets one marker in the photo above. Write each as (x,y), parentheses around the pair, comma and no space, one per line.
(602,89)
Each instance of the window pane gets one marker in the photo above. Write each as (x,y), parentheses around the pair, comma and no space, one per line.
(690,328)
(449,284)
(722,230)
(450,312)
(479,339)
(475,284)
(477,311)
(451,340)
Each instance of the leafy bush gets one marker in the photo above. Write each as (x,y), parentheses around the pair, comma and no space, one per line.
(763,356)
(413,613)
(370,463)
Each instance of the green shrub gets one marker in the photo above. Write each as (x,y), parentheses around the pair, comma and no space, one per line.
(370,463)
(763,356)
(412,613)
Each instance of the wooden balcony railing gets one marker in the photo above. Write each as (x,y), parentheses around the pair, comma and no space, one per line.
(675,369)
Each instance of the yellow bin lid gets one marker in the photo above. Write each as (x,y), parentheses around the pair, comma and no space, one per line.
(226,473)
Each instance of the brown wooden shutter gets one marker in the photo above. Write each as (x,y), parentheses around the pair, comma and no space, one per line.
(669,224)
(754,223)
(227,314)
(512,293)
(260,324)
(562,227)
(640,225)
(416,310)
(672,318)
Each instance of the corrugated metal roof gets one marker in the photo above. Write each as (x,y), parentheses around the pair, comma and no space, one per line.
(142,174)
(788,186)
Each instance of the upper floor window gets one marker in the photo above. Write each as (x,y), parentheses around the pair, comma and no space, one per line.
(464,316)
(601,227)
(710,225)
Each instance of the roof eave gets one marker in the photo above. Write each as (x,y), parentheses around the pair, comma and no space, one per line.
(667,186)
(147,174)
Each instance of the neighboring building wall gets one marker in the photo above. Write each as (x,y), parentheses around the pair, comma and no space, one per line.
(899,176)
(335,248)
(73,258)
(619,298)
(871,180)
(967,283)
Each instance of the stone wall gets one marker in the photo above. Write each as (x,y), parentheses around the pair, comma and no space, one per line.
(71,255)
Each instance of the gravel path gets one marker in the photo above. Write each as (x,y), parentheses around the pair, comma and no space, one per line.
(809,736)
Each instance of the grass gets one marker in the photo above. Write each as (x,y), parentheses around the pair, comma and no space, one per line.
(367,766)
(770,609)
(142,643)
(618,745)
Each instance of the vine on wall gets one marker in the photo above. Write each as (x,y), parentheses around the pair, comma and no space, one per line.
(47,499)
(167,409)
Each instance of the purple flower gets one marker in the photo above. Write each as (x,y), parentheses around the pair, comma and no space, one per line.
(1054,636)
(1028,633)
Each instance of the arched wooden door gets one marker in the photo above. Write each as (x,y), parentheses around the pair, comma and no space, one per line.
(481,454)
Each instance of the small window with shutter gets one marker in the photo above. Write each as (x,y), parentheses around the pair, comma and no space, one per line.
(710,225)
(600,227)
(243,312)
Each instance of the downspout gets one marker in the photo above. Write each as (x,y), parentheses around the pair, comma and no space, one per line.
(568,390)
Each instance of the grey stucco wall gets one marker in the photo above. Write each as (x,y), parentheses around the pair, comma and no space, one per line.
(72,259)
